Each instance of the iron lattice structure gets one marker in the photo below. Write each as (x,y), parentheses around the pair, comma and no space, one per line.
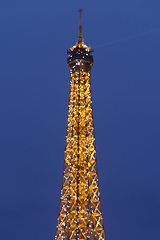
(80,215)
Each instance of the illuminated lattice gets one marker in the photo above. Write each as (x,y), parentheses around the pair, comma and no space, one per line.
(80,215)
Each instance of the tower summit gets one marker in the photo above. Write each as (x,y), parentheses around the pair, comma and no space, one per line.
(80,215)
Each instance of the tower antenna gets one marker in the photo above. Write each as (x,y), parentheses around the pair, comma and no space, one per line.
(80,35)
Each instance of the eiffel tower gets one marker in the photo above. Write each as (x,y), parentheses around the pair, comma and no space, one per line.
(80,215)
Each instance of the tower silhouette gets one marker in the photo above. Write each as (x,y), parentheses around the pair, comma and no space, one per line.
(80,215)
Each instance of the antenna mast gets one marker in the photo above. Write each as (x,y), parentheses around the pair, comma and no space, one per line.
(80,35)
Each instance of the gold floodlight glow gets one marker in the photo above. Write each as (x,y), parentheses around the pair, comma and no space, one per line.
(80,215)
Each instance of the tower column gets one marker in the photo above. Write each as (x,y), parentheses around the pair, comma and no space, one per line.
(80,215)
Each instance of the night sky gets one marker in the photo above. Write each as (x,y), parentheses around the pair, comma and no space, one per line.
(34,88)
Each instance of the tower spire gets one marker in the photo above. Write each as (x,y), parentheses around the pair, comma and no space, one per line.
(80,35)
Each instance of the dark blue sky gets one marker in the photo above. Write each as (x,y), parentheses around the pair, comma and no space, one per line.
(34,88)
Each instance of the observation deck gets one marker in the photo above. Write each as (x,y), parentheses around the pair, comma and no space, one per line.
(79,53)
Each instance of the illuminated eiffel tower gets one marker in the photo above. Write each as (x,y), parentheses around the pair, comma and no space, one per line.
(80,215)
